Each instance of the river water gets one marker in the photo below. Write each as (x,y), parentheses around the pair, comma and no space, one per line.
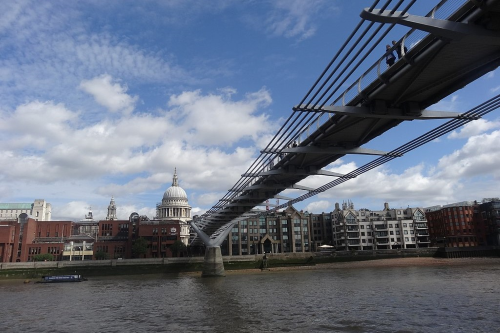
(381,299)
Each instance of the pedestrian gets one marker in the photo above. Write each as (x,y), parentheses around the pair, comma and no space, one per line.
(389,56)
(401,51)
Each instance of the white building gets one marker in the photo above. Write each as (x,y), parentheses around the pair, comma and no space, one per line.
(174,206)
(39,210)
(374,230)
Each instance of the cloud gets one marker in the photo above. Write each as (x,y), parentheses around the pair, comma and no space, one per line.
(318,206)
(474,128)
(215,120)
(132,154)
(77,210)
(110,95)
(480,156)
(293,18)
(451,104)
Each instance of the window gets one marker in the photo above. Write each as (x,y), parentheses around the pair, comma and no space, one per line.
(405,232)
(390,225)
(407,239)
(404,225)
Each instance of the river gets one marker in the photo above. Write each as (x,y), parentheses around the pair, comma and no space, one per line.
(371,299)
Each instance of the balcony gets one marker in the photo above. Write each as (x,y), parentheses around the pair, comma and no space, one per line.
(380,227)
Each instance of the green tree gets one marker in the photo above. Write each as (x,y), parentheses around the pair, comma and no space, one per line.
(140,247)
(43,257)
(177,248)
(101,255)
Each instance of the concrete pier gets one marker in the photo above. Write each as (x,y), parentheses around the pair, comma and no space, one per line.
(213,264)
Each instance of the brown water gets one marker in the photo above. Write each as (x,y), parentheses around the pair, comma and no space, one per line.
(398,299)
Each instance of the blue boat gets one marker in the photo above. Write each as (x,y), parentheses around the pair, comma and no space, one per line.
(62,278)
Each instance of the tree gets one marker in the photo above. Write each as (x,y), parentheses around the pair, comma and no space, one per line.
(140,247)
(101,255)
(43,257)
(177,247)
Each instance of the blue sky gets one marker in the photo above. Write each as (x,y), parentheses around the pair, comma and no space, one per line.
(106,98)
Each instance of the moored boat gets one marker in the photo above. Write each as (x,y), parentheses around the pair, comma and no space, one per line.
(62,278)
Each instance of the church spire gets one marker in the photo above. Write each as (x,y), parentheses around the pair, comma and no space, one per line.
(111,210)
(174,180)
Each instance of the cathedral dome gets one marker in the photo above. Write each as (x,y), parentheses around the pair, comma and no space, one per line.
(174,192)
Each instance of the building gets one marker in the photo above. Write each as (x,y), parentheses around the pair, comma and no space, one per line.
(116,238)
(25,237)
(364,229)
(488,221)
(321,230)
(39,210)
(175,207)
(455,225)
(279,232)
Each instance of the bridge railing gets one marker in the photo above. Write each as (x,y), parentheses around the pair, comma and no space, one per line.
(409,41)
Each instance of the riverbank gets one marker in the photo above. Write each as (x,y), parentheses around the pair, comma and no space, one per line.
(381,263)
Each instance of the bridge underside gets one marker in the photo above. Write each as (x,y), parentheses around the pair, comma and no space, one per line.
(436,66)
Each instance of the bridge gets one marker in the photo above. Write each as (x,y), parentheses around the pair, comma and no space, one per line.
(457,42)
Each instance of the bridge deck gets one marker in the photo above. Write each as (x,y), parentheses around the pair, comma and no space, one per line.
(432,69)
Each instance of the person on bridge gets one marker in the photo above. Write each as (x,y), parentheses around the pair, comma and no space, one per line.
(401,51)
(389,56)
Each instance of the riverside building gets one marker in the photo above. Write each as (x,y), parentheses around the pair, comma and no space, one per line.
(40,210)
(281,232)
(364,229)
(465,224)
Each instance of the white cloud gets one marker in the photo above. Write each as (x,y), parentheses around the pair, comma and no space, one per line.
(214,120)
(480,156)
(451,104)
(136,154)
(77,210)
(295,18)
(474,128)
(108,94)
(318,206)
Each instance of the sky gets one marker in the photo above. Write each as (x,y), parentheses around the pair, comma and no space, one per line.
(102,99)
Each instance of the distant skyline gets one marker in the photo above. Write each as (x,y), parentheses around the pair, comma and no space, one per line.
(106,98)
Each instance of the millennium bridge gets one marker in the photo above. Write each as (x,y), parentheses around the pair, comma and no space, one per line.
(457,42)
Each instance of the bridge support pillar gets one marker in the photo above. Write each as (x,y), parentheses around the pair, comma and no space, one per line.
(213,264)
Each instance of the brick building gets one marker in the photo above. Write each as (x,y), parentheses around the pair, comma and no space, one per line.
(25,237)
(456,225)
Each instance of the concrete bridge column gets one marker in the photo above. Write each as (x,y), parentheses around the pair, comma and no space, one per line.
(213,264)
